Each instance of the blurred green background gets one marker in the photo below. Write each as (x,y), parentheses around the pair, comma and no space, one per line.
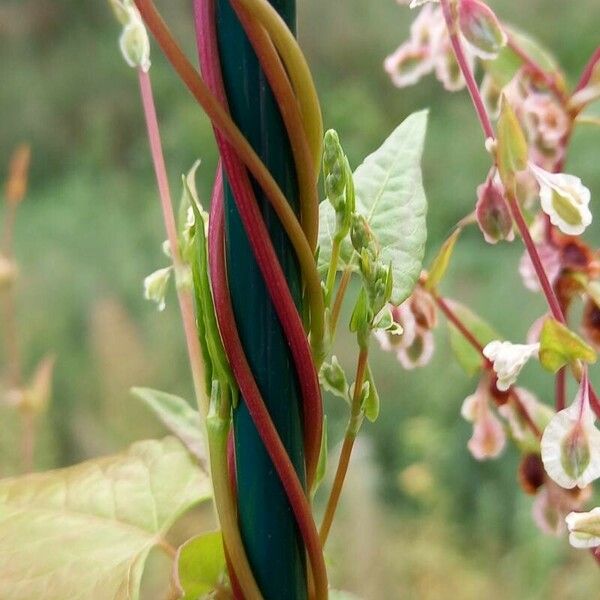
(90,230)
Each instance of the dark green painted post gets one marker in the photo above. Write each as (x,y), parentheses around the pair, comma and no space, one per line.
(270,536)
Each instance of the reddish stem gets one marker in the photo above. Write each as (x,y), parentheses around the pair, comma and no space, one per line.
(588,70)
(186,303)
(462,328)
(463,64)
(263,250)
(551,298)
(252,396)
(560,389)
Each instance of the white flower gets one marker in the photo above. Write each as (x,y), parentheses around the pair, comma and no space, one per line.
(584,528)
(415,3)
(571,443)
(508,360)
(564,199)
(488,439)
(155,286)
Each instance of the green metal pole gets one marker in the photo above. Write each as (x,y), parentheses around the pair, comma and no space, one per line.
(270,535)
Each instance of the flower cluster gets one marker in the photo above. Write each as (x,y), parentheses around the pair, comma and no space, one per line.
(412,340)
(528,116)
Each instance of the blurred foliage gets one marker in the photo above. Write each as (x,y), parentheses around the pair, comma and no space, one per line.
(90,230)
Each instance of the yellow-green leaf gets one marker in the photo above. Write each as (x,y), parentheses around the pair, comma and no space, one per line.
(200,565)
(85,531)
(442,260)
(512,145)
(559,346)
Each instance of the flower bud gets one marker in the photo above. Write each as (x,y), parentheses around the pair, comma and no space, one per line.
(333,378)
(492,213)
(481,28)
(134,42)
(155,286)
(362,236)
(332,151)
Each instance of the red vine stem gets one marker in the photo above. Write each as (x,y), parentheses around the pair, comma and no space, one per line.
(253,398)
(264,252)
(222,121)
(588,70)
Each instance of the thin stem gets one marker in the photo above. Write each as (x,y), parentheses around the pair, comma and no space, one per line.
(463,64)
(339,300)
(549,293)
(332,270)
(184,296)
(588,70)
(560,389)
(455,320)
(348,445)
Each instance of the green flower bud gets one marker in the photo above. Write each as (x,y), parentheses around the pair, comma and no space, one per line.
(333,378)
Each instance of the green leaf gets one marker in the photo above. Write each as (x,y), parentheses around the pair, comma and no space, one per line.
(468,358)
(371,401)
(212,346)
(442,260)
(200,563)
(390,194)
(323,452)
(341,595)
(177,416)
(85,531)
(504,67)
(333,379)
(559,346)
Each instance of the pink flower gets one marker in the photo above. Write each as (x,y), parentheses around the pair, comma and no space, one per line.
(427,49)
(488,439)
(552,504)
(550,257)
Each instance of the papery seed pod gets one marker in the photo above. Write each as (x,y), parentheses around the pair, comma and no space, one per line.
(492,212)
(591,322)
(481,28)
(531,473)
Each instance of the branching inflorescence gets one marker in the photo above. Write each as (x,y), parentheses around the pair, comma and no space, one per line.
(524,91)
